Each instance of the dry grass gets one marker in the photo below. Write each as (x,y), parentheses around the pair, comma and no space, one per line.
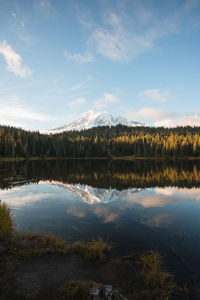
(6,223)
(37,244)
(152,281)
(75,289)
(95,250)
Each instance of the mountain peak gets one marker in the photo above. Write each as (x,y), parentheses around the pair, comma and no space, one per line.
(94,119)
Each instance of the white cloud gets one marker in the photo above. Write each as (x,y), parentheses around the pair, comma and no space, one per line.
(78,86)
(191,119)
(160,117)
(159,95)
(111,45)
(149,113)
(83,85)
(106,100)
(83,16)
(119,42)
(15,113)
(14,61)
(83,20)
(80,58)
(112,41)
(14,14)
(77,102)
(127,31)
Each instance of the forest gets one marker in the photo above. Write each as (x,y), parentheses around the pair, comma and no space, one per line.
(117,141)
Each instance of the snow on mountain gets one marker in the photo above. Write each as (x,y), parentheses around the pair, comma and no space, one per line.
(94,119)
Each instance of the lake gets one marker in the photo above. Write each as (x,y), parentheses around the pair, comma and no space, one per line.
(137,205)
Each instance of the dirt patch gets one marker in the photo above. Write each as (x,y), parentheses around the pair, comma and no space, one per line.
(38,278)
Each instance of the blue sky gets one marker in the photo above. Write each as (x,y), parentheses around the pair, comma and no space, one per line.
(136,58)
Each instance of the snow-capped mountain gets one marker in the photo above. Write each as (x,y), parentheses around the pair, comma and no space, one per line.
(94,119)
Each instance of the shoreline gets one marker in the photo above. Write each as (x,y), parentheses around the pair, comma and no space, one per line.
(130,158)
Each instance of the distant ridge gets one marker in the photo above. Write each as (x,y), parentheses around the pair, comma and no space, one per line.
(94,119)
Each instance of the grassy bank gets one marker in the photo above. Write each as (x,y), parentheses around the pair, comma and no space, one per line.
(148,281)
(142,276)
(31,244)
(14,246)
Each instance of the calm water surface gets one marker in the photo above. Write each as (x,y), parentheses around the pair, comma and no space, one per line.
(138,205)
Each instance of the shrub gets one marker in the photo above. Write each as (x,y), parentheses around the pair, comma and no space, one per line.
(153,281)
(74,289)
(6,223)
(95,250)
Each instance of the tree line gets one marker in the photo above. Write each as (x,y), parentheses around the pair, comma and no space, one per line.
(147,142)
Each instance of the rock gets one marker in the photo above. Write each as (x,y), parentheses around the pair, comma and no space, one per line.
(96,292)
(106,292)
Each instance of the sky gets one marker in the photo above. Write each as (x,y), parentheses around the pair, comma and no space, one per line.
(135,58)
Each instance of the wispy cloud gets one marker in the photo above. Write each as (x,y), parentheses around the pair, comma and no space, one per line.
(113,41)
(159,95)
(189,4)
(80,58)
(79,86)
(14,112)
(14,14)
(44,7)
(150,113)
(106,101)
(83,16)
(118,42)
(14,61)
(76,103)
(189,119)
(160,117)
(123,35)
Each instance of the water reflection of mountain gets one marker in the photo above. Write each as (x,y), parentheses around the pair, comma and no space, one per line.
(103,174)
(92,195)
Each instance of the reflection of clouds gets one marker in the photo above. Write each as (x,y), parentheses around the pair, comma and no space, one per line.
(190,194)
(76,213)
(164,196)
(18,197)
(150,200)
(106,214)
(160,220)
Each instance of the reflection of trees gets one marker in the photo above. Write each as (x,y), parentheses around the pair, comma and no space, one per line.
(104,173)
